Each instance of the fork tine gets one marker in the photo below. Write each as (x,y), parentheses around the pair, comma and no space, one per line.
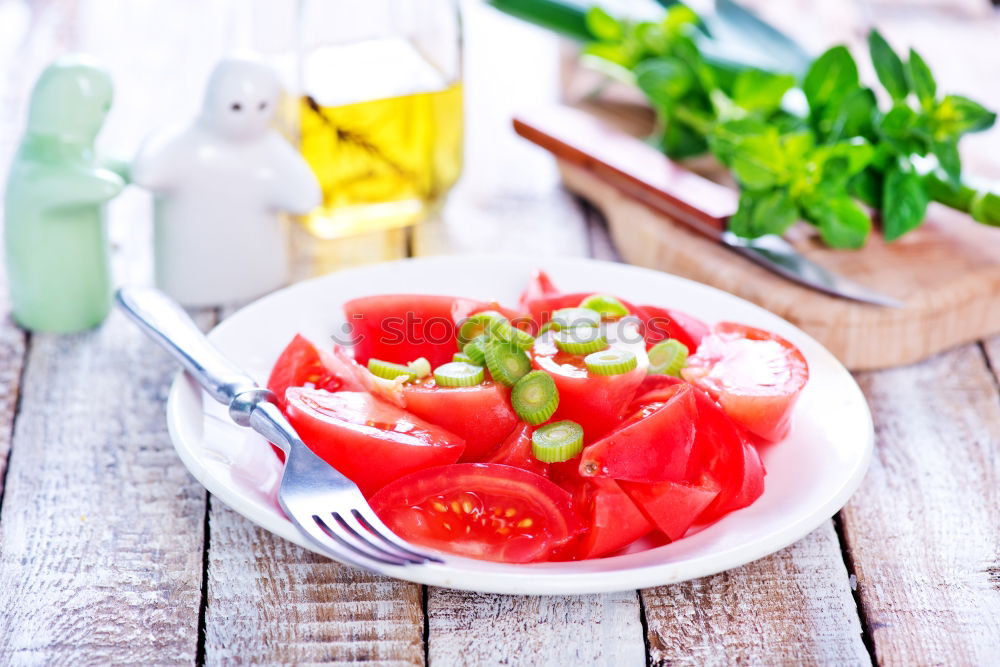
(367,518)
(320,537)
(365,533)
(336,531)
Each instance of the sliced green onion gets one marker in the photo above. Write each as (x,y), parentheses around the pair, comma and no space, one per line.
(668,357)
(476,350)
(458,374)
(420,367)
(580,340)
(545,327)
(535,397)
(606,305)
(508,333)
(476,325)
(391,371)
(507,363)
(610,362)
(557,442)
(461,356)
(567,318)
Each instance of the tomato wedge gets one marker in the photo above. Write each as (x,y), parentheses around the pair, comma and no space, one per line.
(673,507)
(652,445)
(298,365)
(595,402)
(611,518)
(663,323)
(755,375)
(515,451)
(480,415)
(480,510)
(369,440)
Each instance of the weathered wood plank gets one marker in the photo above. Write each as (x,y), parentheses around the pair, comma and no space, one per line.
(922,530)
(272,602)
(101,533)
(478,629)
(793,607)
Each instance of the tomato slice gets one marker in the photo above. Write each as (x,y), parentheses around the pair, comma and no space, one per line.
(611,518)
(595,402)
(298,365)
(673,507)
(480,415)
(539,287)
(515,451)
(652,445)
(369,440)
(756,376)
(480,510)
(663,323)
(721,449)
(403,327)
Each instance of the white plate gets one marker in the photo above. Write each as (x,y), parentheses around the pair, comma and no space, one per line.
(810,475)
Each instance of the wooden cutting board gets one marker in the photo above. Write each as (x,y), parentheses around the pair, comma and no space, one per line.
(947,272)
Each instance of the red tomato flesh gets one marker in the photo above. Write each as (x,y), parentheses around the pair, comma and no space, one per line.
(480,415)
(673,507)
(611,518)
(479,510)
(652,445)
(298,365)
(367,439)
(756,376)
(402,327)
(515,451)
(595,402)
(663,323)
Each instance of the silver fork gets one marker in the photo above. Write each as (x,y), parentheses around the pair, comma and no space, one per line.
(324,504)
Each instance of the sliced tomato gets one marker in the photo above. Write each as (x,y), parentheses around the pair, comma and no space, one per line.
(611,519)
(673,507)
(480,510)
(595,402)
(652,445)
(300,365)
(756,376)
(480,415)
(403,327)
(515,451)
(370,440)
(540,286)
(663,323)
(721,449)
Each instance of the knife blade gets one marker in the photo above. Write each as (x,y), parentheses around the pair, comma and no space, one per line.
(704,206)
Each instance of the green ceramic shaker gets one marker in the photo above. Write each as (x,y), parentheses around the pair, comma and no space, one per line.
(56,238)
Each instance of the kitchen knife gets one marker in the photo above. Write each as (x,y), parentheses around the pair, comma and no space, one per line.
(643,172)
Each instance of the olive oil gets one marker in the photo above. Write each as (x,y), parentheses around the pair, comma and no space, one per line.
(382,163)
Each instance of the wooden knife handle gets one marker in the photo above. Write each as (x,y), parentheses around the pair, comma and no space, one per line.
(635,167)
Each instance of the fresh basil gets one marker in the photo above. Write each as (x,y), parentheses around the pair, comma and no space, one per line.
(888,67)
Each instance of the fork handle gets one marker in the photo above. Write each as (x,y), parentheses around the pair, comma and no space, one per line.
(163,320)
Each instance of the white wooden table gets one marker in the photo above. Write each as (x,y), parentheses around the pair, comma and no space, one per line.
(110,553)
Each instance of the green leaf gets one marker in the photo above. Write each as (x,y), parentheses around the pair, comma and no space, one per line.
(923,81)
(897,130)
(904,201)
(832,76)
(888,66)
(956,115)
(761,213)
(680,141)
(856,154)
(757,90)
(867,186)
(947,155)
(853,117)
(664,80)
(561,16)
(604,26)
(842,223)
(679,19)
